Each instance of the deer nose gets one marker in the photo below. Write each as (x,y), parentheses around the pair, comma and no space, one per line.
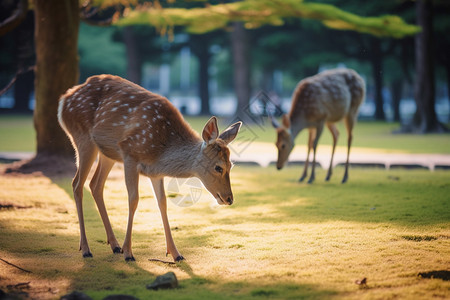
(229,200)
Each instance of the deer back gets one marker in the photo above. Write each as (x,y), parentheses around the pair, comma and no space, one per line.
(122,118)
(328,96)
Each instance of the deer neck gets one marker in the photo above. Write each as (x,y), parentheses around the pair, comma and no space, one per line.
(178,160)
(296,127)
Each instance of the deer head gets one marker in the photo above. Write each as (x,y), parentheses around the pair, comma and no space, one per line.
(214,167)
(285,142)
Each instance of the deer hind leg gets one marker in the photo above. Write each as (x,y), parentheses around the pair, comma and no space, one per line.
(132,183)
(97,185)
(349,123)
(319,130)
(158,188)
(87,152)
(335,134)
(311,137)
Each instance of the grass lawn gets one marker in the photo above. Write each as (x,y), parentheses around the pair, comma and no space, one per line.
(17,134)
(281,239)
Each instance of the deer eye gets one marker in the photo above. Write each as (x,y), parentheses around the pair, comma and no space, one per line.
(218,169)
(283,146)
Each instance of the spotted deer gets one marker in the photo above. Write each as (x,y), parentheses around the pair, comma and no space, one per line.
(320,100)
(117,121)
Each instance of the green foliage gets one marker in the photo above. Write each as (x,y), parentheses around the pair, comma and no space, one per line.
(99,53)
(255,13)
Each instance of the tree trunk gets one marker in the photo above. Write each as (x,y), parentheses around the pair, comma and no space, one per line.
(23,87)
(424,93)
(56,36)
(134,73)
(241,69)
(377,72)
(396,91)
(200,47)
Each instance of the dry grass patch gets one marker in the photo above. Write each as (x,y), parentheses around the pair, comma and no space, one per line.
(280,239)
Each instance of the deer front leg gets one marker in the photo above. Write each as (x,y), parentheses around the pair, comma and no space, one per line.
(158,188)
(319,130)
(132,182)
(310,145)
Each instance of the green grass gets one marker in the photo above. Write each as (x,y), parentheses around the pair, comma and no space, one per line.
(280,239)
(17,134)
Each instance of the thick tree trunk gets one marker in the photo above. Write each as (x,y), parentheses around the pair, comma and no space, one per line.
(134,73)
(56,36)
(425,118)
(241,69)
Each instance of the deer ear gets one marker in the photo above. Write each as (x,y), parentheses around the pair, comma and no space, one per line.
(286,121)
(274,122)
(210,132)
(230,133)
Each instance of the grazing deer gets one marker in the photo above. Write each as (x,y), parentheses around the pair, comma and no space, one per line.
(121,121)
(325,98)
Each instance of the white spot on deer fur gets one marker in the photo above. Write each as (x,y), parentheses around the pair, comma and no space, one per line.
(114,109)
(144,117)
(172,133)
(130,110)
(159,116)
(88,85)
(138,124)
(114,124)
(132,97)
(154,119)
(168,123)
(150,135)
(98,89)
(117,101)
(125,117)
(143,131)
(156,111)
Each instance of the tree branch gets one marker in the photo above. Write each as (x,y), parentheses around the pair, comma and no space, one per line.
(7,262)
(15,19)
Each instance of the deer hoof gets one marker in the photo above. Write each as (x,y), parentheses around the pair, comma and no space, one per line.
(179,258)
(131,258)
(87,254)
(117,250)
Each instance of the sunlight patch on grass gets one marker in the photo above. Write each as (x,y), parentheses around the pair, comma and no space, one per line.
(280,239)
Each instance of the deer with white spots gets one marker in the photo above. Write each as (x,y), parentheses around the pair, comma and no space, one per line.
(323,99)
(115,120)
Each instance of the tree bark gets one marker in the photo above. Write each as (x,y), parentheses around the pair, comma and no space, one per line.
(134,73)
(241,69)
(425,119)
(56,36)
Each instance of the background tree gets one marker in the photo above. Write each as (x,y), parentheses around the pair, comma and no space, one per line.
(56,39)
(56,35)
